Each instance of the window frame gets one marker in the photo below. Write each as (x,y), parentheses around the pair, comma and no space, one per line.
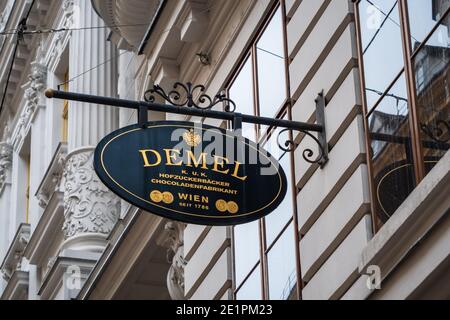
(283,111)
(408,71)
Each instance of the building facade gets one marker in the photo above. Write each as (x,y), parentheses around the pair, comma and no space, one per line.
(372,223)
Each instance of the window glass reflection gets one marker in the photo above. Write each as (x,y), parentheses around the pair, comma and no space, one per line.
(381,45)
(433,97)
(281,265)
(246,249)
(278,219)
(251,289)
(271,67)
(241,92)
(423,16)
(392,161)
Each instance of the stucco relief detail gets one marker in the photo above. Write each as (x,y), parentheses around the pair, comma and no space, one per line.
(89,207)
(173,240)
(6,152)
(36,87)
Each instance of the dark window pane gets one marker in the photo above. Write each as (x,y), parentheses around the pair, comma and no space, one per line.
(241,92)
(423,16)
(271,67)
(251,289)
(381,45)
(246,249)
(433,97)
(281,266)
(393,167)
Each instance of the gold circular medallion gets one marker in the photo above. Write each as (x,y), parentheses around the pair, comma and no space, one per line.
(233,207)
(156,196)
(167,197)
(221,205)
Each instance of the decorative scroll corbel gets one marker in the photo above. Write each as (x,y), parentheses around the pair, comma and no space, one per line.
(289,145)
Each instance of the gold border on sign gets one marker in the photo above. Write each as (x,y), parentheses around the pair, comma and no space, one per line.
(181,212)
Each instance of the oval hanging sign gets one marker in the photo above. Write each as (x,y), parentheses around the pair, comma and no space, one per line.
(192,173)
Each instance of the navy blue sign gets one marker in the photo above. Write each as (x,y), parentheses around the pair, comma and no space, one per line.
(191,173)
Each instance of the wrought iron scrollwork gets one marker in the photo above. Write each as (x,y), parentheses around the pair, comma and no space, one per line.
(439,133)
(183,95)
(289,145)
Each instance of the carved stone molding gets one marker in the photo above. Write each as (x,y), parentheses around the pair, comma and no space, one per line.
(196,21)
(38,80)
(68,7)
(89,207)
(53,179)
(172,239)
(14,256)
(139,13)
(60,38)
(6,152)
(34,92)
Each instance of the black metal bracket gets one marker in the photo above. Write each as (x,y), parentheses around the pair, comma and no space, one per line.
(187,99)
(308,154)
(237,123)
(142,115)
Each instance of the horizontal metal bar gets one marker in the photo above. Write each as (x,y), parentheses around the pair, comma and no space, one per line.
(130,104)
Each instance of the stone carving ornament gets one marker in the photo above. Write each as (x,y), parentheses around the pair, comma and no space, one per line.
(89,207)
(173,240)
(5,161)
(38,82)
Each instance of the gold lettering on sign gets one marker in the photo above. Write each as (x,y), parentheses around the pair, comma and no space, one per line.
(201,160)
(236,171)
(174,158)
(147,163)
(171,156)
(220,162)
(193,198)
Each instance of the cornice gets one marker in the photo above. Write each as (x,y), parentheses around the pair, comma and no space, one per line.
(17,287)
(54,279)
(129,19)
(13,258)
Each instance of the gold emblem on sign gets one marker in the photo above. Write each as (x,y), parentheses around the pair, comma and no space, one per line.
(167,198)
(156,196)
(233,207)
(192,138)
(221,205)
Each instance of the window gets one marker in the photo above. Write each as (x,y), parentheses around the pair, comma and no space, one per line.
(281,266)
(404,50)
(271,81)
(251,289)
(380,30)
(241,92)
(22,174)
(246,252)
(27,191)
(391,151)
(265,251)
(65,113)
(423,15)
(259,86)
(432,89)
